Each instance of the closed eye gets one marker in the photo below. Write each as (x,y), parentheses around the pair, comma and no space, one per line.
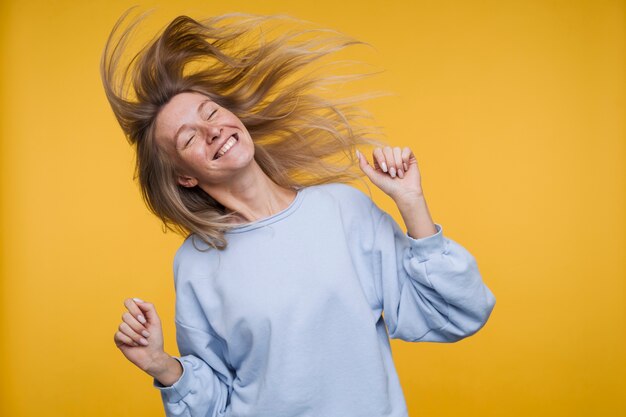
(212,113)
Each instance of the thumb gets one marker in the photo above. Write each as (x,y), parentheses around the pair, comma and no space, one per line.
(365,165)
(149,311)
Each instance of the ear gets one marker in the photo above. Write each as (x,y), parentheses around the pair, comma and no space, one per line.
(186,181)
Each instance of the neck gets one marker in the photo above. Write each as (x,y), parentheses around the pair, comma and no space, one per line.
(252,195)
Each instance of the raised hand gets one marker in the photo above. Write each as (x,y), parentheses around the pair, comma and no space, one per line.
(395,171)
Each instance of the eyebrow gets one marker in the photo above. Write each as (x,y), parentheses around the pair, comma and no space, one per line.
(185,125)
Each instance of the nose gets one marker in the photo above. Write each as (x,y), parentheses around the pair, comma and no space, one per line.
(213,133)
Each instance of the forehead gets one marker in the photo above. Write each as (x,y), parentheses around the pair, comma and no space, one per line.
(176,112)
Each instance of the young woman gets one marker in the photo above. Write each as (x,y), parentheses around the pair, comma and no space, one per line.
(286,269)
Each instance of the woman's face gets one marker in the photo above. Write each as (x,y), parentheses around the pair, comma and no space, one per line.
(193,129)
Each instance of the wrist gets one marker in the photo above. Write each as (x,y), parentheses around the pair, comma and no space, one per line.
(169,370)
(159,364)
(409,199)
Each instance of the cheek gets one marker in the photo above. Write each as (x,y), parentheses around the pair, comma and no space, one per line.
(187,162)
(197,156)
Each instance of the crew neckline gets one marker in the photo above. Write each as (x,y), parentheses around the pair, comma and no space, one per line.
(273,218)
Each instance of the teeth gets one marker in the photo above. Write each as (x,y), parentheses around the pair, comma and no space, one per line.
(229,144)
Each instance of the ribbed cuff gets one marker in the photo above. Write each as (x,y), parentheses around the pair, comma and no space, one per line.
(424,248)
(177,391)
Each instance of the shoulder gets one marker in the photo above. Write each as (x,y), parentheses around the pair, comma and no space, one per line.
(192,257)
(345,194)
(353,204)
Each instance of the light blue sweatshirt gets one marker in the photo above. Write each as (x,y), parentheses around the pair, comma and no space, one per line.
(287,321)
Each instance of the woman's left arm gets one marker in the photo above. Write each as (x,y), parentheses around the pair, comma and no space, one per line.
(396,172)
(416,217)
(429,286)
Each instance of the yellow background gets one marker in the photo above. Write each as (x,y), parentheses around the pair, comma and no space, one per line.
(515,111)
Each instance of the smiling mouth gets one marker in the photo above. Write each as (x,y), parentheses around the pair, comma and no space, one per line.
(219,154)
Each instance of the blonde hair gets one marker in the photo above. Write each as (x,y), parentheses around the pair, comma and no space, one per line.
(296,133)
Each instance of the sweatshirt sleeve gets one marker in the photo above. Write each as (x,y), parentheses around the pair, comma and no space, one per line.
(204,388)
(199,391)
(430,288)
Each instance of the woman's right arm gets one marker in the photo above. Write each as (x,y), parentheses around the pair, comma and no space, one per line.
(198,383)
(167,371)
(204,387)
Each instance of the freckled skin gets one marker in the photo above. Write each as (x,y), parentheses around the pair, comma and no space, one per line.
(203,134)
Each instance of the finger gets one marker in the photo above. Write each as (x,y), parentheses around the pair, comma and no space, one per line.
(122,338)
(131,305)
(149,311)
(406,157)
(397,156)
(134,324)
(391,165)
(125,328)
(379,159)
(365,165)
(375,162)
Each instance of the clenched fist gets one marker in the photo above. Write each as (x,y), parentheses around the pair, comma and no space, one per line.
(395,171)
(140,335)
